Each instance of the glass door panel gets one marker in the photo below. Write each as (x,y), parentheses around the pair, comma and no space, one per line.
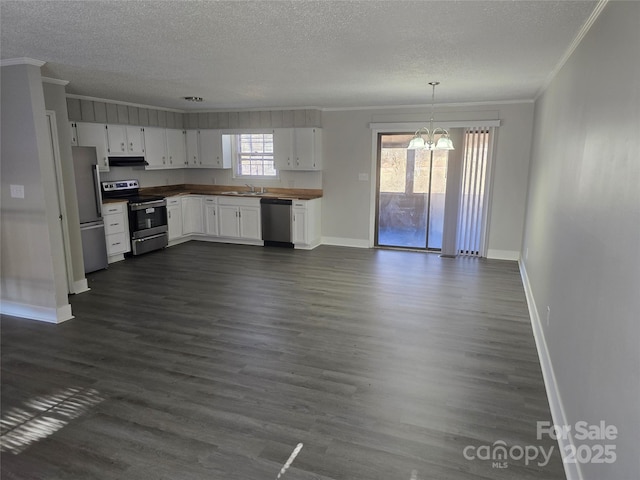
(410,194)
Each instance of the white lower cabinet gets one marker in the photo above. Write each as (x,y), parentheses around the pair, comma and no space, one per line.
(116,230)
(192,218)
(211,216)
(306,223)
(174,217)
(239,218)
(229,223)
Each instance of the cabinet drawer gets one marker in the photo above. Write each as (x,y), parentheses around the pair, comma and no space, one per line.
(113,224)
(173,201)
(117,243)
(111,208)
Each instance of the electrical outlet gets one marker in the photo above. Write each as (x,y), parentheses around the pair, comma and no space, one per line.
(548,314)
(213,180)
(166,181)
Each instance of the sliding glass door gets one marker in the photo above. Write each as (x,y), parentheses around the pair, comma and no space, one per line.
(411,191)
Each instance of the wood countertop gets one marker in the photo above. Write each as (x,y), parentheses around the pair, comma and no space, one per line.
(114,200)
(193,189)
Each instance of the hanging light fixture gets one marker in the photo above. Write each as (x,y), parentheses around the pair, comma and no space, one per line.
(424,138)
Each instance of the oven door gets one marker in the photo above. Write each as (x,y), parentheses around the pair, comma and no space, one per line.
(147,218)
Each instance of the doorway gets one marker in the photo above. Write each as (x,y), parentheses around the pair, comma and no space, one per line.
(410,194)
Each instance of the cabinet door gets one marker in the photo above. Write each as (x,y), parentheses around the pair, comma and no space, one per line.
(193,156)
(135,140)
(74,134)
(299,227)
(174,221)
(95,135)
(176,148)
(192,221)
(228,223)
(250,226)
(211,219)
(211,149)
(283,148)
(308,149)
(117,139)
(156,148)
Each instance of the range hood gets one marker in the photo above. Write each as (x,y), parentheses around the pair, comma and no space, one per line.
(127,162)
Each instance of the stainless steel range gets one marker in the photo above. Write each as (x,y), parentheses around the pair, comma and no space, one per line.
(147,215)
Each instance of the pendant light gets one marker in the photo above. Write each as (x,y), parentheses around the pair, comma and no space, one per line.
(424,138)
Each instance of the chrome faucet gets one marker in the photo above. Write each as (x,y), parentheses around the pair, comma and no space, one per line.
(252,189)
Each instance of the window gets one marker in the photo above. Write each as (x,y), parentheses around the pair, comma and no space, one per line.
(254,155)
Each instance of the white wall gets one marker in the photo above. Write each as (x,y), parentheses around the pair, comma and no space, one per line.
(582,232)
(349,151)
(34,283)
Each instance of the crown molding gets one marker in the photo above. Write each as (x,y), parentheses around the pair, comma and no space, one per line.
(55,81)
(576,41)
(256,109)
(428,105)
(119,102)
(7,62)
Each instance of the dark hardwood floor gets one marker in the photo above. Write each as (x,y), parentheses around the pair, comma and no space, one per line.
(212,361)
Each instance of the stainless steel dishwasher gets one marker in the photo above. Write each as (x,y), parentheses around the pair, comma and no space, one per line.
(276,222)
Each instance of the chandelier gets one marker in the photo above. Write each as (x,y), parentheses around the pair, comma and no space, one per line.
(424,138)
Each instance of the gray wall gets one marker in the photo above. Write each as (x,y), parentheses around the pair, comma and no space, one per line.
(33,269)
(55,99)
(349,151)
(582,231)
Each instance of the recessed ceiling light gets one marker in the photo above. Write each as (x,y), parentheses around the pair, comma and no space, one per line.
(193,99)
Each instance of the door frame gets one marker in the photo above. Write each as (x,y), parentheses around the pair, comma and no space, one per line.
(403,127)
(52,130)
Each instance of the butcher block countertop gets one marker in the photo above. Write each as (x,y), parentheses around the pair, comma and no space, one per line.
(114,200)
(235,191)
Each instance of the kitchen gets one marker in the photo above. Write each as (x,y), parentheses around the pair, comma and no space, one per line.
(211,213)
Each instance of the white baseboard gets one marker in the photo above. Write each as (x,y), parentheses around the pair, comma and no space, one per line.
(345,242)
(572,470)
(80,286)
(35,312)
(115,258)
(178,241)
(503,254)
(307,246)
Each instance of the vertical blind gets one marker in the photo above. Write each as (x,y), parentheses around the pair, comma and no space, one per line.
(472,216)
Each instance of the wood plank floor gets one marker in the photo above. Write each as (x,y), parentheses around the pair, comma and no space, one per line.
(212,361)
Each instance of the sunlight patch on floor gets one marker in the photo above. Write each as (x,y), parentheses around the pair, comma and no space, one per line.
(42,416)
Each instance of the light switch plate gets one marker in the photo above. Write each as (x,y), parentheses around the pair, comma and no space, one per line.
(17,191)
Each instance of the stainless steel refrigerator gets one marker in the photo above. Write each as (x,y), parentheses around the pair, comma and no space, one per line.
(94,245)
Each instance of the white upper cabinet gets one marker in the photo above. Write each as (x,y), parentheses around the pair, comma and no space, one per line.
(308,148)
(298,148)
(283,148)
(176,148)
(125,140)
(94,135)
(156,146)
(193,149)
(215,151)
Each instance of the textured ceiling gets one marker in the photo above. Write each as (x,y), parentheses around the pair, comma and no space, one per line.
(287,54)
